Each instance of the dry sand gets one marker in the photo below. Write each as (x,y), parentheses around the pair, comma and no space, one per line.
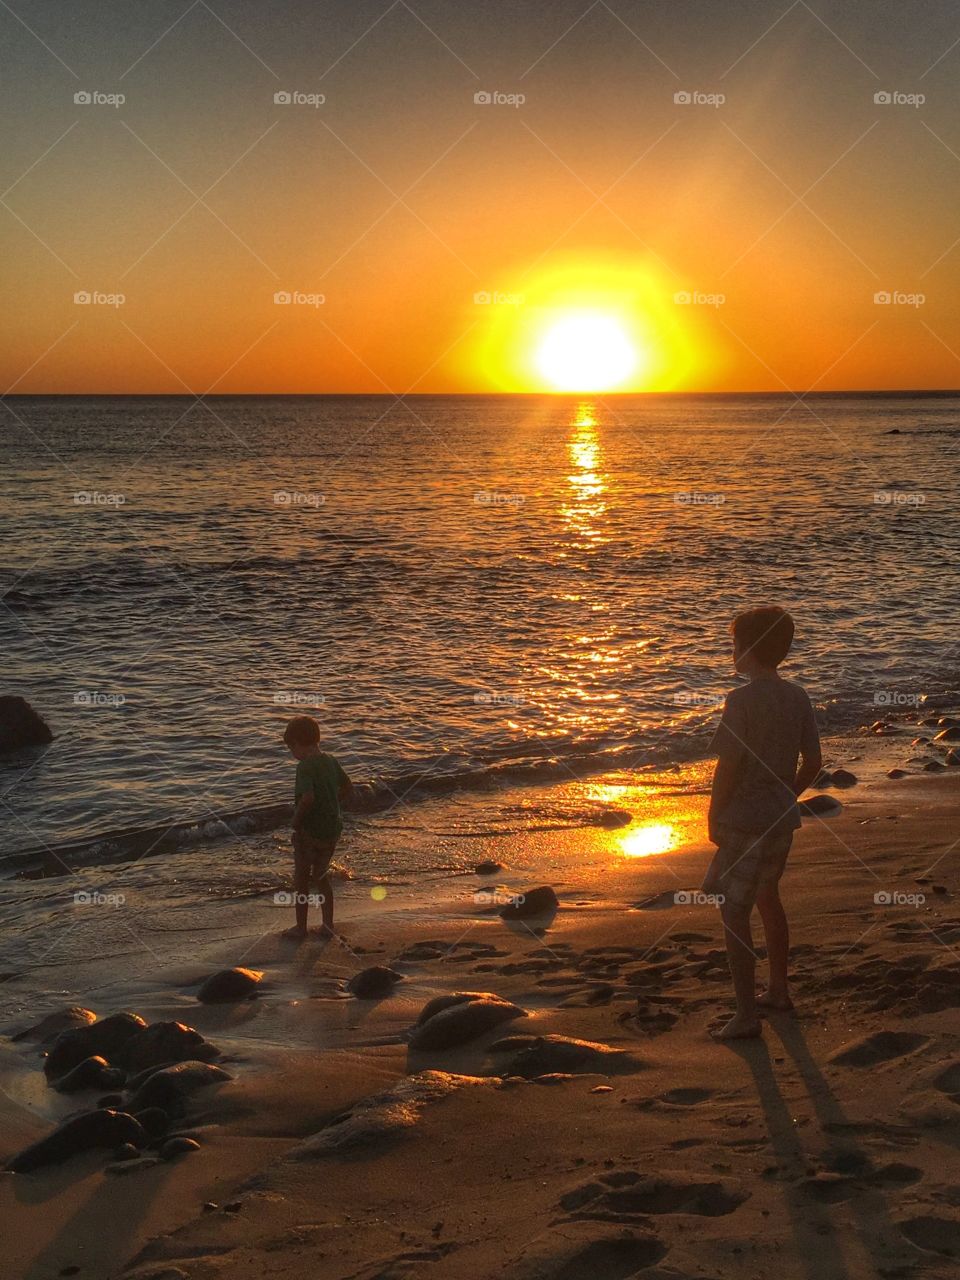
(825,1151)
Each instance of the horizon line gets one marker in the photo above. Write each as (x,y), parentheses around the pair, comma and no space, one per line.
(874,392)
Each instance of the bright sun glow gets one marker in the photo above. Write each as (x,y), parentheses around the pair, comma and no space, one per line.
(641,842)
(586,351)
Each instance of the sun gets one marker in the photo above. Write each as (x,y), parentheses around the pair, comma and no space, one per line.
(586,351)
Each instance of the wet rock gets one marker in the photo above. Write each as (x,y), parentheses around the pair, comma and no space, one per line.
(164,1043)
(20,725)
(950,734)
(534,902)
(897,773)
(50,1027)
(126,1151)
(111,1101)
(488,868)
(120,1168)
(439,1003)
(91,1073)
(154,1121)
(934,766)
(174,1147)
(548,1055)
(229,985)
(843,778)
(952,757)
(820,806)
(374,983)
(105,1039)
(462,1022)
(169,1087)
(83,1133)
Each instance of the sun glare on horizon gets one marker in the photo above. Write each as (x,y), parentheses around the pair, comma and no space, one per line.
(586,351)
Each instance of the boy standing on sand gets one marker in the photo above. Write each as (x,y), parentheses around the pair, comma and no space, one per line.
(321,785)
(767,725)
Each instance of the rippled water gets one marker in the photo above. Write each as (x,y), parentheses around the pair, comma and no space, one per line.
(460,588)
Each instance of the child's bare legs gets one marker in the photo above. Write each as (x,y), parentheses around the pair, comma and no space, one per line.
(745,1024)
(776,931)
(325,890)
(301,888)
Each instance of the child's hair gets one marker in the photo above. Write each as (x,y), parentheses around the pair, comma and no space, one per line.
(302,731)
(766,633)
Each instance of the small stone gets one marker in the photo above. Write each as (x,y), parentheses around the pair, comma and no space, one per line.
(534,902)
(229,985)
(126,1151)
(174,1147)
(374,983)
(488,868)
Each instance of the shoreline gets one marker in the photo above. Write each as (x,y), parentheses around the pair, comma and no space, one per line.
(306,1052)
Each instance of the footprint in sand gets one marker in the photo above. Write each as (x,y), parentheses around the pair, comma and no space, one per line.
(625,1196)
(586,1251)
(882,1046)
(934,1235)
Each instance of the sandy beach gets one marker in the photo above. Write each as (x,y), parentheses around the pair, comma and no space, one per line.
(337,1149)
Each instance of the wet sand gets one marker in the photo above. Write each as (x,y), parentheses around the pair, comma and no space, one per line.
(827,1149)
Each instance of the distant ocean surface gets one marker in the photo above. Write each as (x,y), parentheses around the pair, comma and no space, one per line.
(463,590)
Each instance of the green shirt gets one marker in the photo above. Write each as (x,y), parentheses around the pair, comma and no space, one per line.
(322,776)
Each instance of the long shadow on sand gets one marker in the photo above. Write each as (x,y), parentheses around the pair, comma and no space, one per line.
(819,1245)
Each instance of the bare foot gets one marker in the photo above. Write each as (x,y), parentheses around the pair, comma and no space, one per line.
(740,1027)
(295,934)
(773,1000)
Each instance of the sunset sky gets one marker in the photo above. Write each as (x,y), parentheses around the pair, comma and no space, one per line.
(404,203)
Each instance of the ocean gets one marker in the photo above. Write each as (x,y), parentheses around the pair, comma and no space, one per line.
(467,592)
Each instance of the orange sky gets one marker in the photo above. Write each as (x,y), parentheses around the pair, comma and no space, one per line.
(781,212)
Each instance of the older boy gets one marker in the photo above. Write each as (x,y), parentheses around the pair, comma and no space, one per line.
(320,786)
(767,725)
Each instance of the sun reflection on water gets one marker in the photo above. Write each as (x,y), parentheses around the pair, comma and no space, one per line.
(587,481)
(649,838)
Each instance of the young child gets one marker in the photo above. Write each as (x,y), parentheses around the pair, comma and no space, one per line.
(767,725)
(321,785)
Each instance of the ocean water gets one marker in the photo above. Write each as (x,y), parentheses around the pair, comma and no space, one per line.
(466,591)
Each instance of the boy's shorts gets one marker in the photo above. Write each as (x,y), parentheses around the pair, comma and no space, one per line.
(745,863)
(312,855)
